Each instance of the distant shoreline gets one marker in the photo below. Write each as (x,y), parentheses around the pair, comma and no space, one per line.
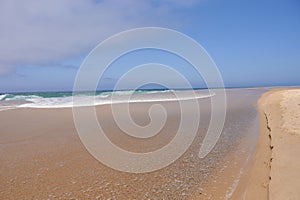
(110,90)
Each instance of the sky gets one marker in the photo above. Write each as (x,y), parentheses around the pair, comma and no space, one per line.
(43,43)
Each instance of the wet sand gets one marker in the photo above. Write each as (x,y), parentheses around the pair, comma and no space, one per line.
(42,157)
(275,174)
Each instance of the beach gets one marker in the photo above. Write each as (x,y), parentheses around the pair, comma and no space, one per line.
(43,157)
(275,171)
(255,158)
(149,100)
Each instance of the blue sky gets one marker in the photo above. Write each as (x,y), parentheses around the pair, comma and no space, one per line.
(253,43)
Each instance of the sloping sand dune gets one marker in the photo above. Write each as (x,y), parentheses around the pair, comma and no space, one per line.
(275,174)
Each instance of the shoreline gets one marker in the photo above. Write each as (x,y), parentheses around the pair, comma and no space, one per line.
(43,157)
(266,170)
(274,172)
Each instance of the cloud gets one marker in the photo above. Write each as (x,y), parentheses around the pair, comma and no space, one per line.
(45,32)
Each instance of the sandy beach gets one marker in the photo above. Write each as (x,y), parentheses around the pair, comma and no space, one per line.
(42,157)
(149,100)
(275,174)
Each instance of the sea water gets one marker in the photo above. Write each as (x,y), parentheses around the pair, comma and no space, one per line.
(67,99)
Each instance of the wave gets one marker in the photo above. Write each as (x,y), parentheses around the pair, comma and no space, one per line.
(2,96)
(68,100)
(11,97)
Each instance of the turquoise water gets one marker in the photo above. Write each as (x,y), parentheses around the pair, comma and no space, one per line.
(27,95)
(69,99)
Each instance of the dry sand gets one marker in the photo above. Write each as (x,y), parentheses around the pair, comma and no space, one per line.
(275,174)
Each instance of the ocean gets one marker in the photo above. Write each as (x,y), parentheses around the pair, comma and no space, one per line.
(70,99)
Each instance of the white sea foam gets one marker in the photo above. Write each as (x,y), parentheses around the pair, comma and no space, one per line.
(2,96)
(34,101)
(234,185)
(22,97)
(2,108)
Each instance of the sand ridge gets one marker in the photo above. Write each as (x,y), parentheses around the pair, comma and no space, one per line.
(275,173)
